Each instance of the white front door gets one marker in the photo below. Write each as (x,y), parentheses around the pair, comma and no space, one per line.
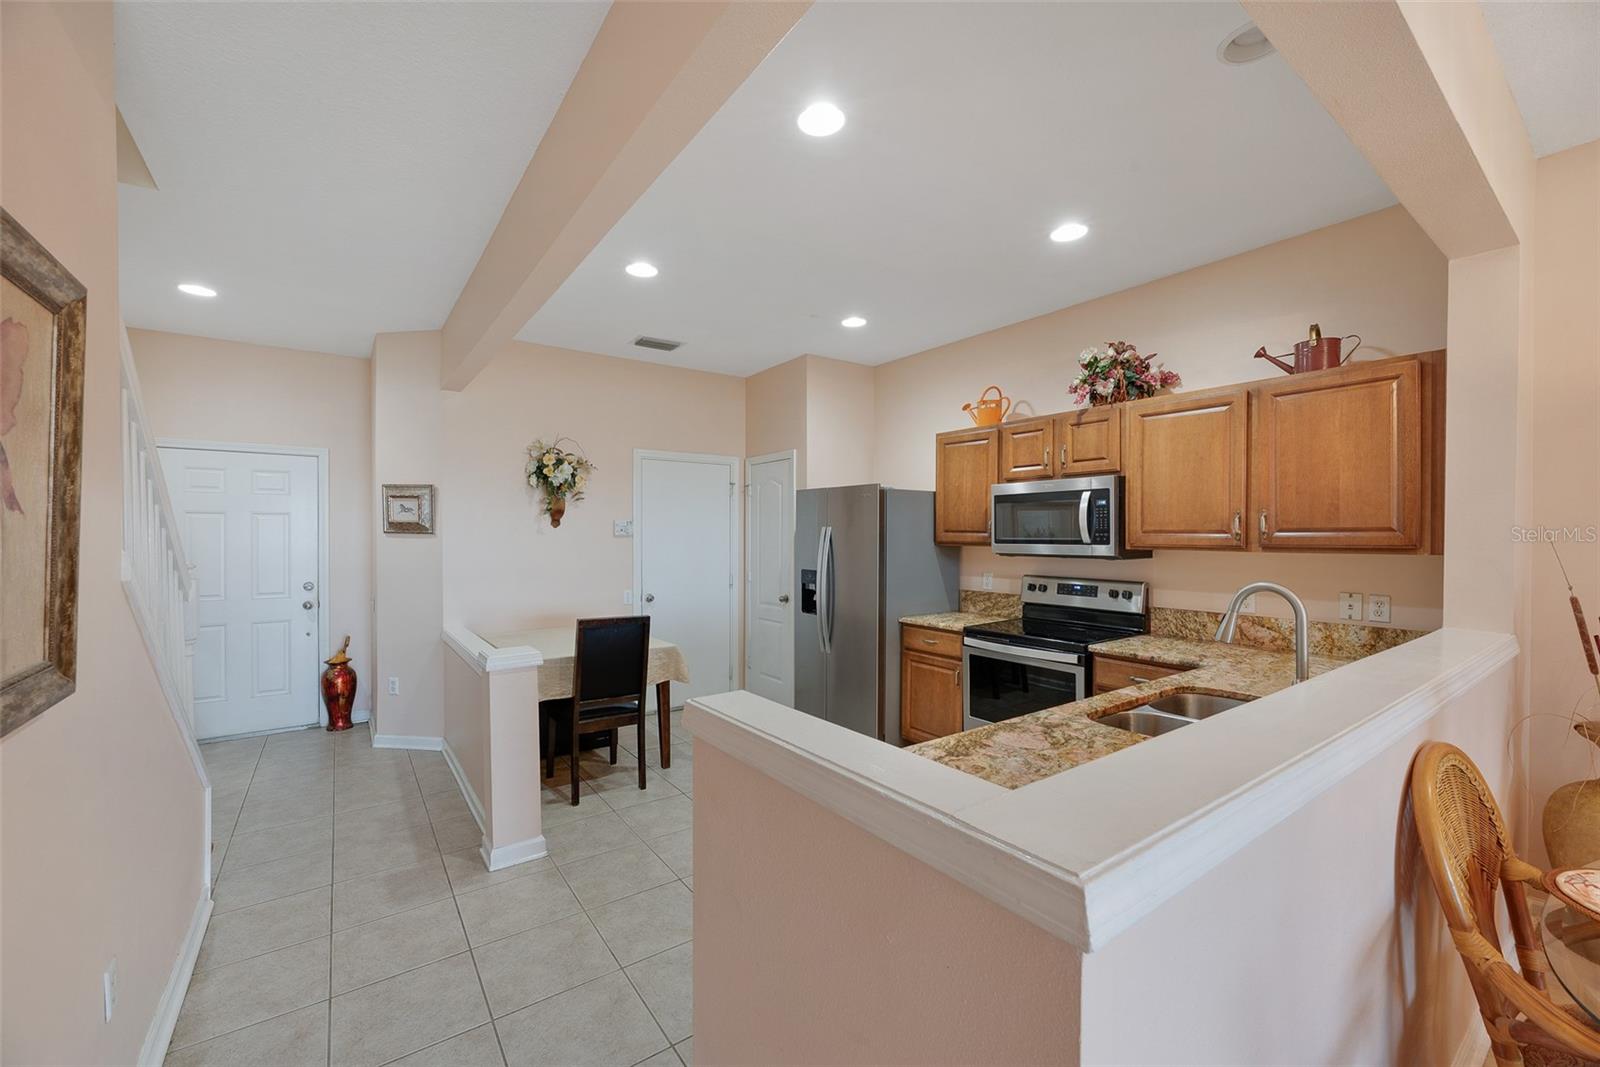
(769,578)
(250,524)
(685,522)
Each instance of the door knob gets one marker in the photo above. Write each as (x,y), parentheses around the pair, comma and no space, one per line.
(783,598)
(649,598)
(308,605)
(309,586)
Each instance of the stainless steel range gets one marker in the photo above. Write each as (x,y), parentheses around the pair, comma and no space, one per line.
(1042,660)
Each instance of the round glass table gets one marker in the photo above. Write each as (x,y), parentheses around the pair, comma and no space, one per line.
(1571,943)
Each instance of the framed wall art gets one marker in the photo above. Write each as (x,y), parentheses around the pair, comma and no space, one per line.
(42,325)
(408,509)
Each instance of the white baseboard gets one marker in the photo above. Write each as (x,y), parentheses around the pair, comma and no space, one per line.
(1474,1047)
(159,1035)
(499,859)
(422,744)
(473,803)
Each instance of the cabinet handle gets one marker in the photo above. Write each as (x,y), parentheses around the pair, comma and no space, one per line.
(1237,519)
(1044,461)
(1063,457)
(929,641)
(1261,523)
(1136,678)
(958,677)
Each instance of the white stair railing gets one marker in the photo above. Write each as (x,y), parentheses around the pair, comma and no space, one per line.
(156,575)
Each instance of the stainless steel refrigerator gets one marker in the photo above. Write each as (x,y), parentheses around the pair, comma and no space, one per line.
(864,557)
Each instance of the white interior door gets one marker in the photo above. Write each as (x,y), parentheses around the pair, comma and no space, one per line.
(769,578)
(250,526)
(685,526)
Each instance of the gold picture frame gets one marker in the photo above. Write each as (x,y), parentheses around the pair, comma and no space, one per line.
(408,509)
(42,323)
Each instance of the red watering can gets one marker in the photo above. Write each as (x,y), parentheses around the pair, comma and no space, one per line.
(1314,353)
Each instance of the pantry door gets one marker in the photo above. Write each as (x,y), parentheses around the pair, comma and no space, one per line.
(250,524)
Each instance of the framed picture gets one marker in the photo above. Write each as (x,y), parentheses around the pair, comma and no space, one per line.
(41,459)
(408,509)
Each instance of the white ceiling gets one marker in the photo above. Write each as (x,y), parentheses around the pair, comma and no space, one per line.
(332,169)
(973,129)
(1548,49)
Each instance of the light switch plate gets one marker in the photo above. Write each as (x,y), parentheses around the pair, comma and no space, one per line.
(1377,607)
(394,686)
(1350,607)
(988,579)
(627,596)
(621,527)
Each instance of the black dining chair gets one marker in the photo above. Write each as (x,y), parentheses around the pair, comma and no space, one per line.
(608,686)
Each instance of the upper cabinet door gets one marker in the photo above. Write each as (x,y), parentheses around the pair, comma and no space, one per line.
(1027,450)
(966,465)
(1186,465)
(1337,459)
(1089,441)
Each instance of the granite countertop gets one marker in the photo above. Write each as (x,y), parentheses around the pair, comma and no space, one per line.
(953,621)
(1023,750)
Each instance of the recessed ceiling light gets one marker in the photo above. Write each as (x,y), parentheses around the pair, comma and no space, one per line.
(195,289)
(1068,231)
(852,322)
(821,119)
(640,269)
(1245,45)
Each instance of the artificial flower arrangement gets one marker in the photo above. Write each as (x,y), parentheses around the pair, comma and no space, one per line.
(560,473)
(1118,372)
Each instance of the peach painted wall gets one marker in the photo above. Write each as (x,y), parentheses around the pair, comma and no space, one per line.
(200,389)
(1565,475)
(1319,942)
(840,416)
(504,566)
(101,812)
(775,413)
(407,583)
(1377,275)
(798,962)
(466,720)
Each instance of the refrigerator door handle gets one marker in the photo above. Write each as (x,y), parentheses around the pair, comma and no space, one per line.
(822,588)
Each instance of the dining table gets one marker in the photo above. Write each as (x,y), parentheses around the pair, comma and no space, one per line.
(1571,942)
(557,645)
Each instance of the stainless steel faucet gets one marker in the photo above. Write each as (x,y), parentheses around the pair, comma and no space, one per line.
(1302,639)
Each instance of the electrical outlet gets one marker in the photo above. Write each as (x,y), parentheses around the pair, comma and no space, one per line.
(108,988)
(621,527)
(988,579)
(627,596)
(394,686)
(1377,607)
(1249,605)
(1350,607)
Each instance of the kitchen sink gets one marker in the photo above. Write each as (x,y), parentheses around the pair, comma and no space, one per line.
(1141,720)
(1194,705)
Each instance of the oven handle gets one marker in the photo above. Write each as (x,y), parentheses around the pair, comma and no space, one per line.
(1044,655)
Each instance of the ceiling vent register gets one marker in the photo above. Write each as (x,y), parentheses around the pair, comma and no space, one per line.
(660,344)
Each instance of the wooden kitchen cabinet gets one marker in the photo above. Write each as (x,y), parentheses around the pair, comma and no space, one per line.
(1337,459)
(930,685)
(1027,449)
(1185,459)
(1089,441)
(1112,672)
(966,465)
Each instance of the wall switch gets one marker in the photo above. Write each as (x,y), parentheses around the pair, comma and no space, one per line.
(621,527)
(394,686)
(627,596)
(1350,607)
(1377,607)
(988,579)
(108,988)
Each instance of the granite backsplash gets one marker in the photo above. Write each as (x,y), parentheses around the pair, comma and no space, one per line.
(988,602)
(1338,640)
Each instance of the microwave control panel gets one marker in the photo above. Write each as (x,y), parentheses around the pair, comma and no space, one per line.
(1100,517)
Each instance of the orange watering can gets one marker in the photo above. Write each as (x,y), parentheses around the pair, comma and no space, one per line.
(988,411)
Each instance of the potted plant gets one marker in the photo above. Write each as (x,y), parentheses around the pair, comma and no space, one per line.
(1117,372)
(560,473)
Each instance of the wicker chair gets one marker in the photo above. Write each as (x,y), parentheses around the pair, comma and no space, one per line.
(1468,852)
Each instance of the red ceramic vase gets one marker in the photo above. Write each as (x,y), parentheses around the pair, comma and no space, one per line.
(339,688)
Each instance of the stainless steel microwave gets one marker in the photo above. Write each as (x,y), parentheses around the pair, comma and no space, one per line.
(1062,517)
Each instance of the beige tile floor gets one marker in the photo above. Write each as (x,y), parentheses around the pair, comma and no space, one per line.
(355,923)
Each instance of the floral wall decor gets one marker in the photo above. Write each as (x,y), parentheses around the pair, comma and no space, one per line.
(1117,372)
(561,474)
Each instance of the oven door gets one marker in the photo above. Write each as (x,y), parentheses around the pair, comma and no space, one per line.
(1000,682)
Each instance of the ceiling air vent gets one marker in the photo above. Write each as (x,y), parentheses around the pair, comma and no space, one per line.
(658,343)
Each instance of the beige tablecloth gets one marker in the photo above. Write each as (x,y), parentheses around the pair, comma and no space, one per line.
(556,643)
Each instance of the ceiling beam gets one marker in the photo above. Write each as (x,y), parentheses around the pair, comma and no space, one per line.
(654,76)
(1418,89)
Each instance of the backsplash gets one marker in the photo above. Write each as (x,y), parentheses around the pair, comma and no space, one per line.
(1340,640)
(985,602)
